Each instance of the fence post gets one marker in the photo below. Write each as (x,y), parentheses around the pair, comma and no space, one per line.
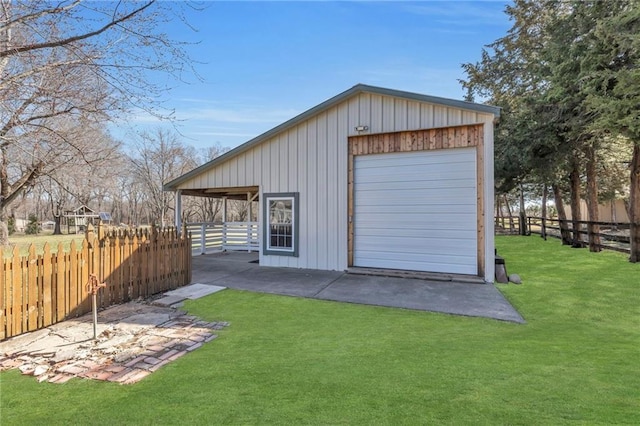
(203,238)
(249,237)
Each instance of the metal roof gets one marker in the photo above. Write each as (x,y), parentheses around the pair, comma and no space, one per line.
(358,88)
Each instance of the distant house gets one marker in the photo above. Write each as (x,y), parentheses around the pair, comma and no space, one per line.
(48,225)
(372,178)
(20,224)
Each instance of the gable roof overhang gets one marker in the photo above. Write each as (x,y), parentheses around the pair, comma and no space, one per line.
(358,88)
(243,193)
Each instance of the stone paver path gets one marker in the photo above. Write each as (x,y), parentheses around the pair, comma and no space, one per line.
(134,340)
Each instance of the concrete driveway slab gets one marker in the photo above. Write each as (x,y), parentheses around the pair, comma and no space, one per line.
(209,268)
(478,300)
(235,270)
(285,281)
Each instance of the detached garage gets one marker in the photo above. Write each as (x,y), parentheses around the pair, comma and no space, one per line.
(371,178)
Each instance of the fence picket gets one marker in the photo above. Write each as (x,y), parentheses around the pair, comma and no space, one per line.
(83,262)
(61,299)
(4,294)
(32,290)
(47,275)
(20,312)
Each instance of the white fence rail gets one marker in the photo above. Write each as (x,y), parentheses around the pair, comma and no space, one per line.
(208,237)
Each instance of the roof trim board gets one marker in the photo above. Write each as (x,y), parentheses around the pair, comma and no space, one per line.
(359,88)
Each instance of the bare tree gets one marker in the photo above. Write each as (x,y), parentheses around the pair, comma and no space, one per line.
(69,62)
(205,209)
(158,158)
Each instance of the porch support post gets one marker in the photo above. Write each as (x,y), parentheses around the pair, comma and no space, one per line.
(178,211)
(249,222)
(224,210)
(224,223)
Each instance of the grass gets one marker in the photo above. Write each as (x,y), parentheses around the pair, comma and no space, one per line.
(24,241)
(285,360)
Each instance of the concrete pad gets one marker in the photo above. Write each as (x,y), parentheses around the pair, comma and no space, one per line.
(469,298)
(209,268)
(285,281)
(169,300)
(479,300)
(237,256)
(194,291)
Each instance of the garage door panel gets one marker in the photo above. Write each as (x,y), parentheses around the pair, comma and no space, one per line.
(435,232)
(417,257)
(380,175)
(416,211)
(423,265)
(409,195)
(436,183)
(419,207)
(420,246)
(416,221)
(404,159)
(401,200)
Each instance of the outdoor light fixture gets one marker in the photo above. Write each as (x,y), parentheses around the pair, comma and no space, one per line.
(361,128)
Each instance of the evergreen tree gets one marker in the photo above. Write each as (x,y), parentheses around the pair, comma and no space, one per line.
(32,225)
(611,74)
(11,225)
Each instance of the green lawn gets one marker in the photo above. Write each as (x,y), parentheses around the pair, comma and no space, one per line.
(295,361)
(24,241)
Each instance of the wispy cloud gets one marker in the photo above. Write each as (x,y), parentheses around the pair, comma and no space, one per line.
(463,14)
(225,134)
(236,114)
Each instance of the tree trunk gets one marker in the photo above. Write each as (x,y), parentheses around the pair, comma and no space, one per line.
(634,205)
(543,226)
(57,218)
(4,193)
(523,214)
(593,229)
(498,211)
(562,215)
(4,234)
(509,212)
(574,179)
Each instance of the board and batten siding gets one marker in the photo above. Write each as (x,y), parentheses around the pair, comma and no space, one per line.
(311,158)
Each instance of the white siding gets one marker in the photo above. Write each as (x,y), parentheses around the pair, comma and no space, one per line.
(311,158)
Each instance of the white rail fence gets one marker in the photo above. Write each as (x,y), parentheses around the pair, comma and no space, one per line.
(207,237)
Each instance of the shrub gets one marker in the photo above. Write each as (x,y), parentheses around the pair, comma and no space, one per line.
(11,224)
(32,226)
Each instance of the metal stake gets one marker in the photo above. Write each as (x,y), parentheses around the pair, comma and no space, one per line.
(93,286)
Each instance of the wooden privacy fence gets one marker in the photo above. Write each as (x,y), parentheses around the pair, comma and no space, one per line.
(38,290)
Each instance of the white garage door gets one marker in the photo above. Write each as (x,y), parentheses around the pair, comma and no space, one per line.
(416,211)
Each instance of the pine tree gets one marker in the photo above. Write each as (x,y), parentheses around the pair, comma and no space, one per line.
(32,225)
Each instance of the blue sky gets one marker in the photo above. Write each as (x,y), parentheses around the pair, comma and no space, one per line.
(265,62)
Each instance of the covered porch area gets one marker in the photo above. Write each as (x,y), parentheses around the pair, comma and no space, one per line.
(224,235)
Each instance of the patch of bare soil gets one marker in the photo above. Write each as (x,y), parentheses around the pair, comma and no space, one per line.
(133,340)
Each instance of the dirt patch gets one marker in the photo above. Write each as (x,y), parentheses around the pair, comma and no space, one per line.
(134,340)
